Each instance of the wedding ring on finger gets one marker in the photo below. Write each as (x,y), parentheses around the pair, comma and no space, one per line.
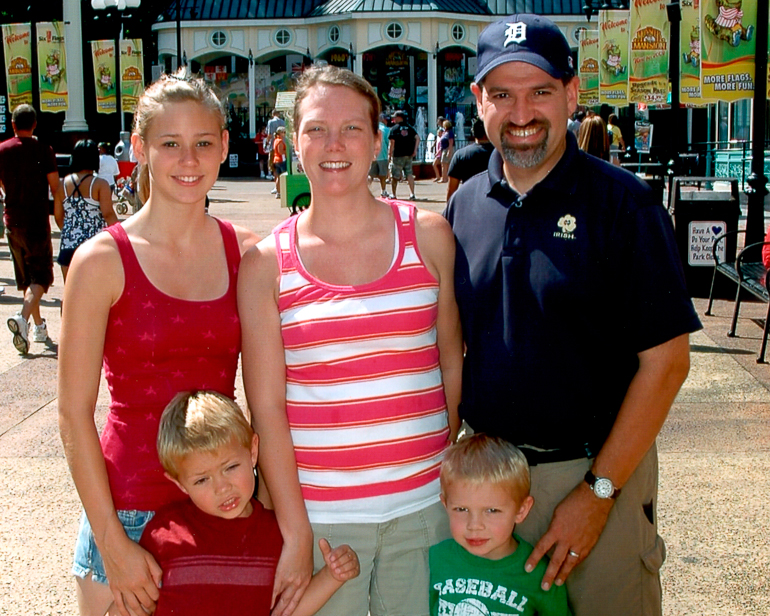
(573,553)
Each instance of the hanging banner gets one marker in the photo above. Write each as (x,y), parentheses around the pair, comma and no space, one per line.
(648,79)
(588,67)
(728,46)
(614,43)
(52,66)
(17,52)
(690,48)
(131,74)
(103,55)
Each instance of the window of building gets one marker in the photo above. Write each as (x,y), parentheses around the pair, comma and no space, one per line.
(394,31)
(282,37)
(740,121)
(218,38)
(334,34)
(458,32)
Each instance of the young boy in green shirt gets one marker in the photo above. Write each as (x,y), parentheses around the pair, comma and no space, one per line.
(480,570)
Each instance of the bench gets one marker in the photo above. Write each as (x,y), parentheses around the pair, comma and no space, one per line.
(749,274)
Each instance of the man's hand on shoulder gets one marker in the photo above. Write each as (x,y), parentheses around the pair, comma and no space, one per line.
(576,525)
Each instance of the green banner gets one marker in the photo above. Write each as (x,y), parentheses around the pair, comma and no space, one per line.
(728,46)
(17,51)
(690,48)
(648,79)
(52,66)
(588,68)
(614,43)
(103,55)
(131,74)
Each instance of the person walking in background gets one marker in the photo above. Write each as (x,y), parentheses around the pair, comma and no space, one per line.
(351,361)
(27,171)
(260,141)
(437,148)
(86,206)
(470,160)
(379,168)
(593,137)
(447,143)
(617,145)
(108,166)
(272,127)
(542,239)
(152,302)
(402,149)
(279,159)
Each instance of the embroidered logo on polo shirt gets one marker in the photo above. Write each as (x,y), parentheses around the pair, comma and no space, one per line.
(567,224)
(515,33)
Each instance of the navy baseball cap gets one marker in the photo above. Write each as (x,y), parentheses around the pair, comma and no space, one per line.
(526,38)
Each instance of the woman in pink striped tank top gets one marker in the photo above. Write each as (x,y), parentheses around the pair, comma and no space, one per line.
(153,302)
(352,359)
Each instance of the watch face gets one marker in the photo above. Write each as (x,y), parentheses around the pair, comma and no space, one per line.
(603,487)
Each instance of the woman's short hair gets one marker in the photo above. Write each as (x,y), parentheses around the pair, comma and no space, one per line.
(335,76)
(482,459)
(199,421)
(85,156)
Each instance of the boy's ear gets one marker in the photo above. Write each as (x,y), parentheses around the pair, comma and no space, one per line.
(443,499)
(254,449)
(524,508)
(176,483)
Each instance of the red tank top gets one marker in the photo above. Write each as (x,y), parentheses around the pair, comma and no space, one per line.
(156,346)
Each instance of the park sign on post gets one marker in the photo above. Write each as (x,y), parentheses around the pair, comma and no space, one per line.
(131,74)
(648,78)
(690,48)
(103,55)
(52,66)
(17,52)
(588,68)
(728,46)
(614,42)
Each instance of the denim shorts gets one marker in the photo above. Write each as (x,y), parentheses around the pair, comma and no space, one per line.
(87,556)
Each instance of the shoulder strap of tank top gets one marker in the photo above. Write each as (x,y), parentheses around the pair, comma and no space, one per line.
(405,214)
(284,235)
(77,186)
(126,250)
(232,248)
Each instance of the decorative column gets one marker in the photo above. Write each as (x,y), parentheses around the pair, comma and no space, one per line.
(252,91)
(74,117)
(432,90)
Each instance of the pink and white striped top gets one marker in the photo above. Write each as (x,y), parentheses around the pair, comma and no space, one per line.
(364,394)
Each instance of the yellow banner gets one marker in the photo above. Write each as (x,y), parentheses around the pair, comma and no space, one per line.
(103,55)
(614,43)
(728,46)
(52,66)
(690,50)
(648,79)
(588,68)
(17,51)
(131,74)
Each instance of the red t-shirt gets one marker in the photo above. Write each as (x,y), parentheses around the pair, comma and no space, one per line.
(24,166)
(213,566)
(766,250)
(156,346)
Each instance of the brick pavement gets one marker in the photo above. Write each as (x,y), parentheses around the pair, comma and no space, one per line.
(714,456)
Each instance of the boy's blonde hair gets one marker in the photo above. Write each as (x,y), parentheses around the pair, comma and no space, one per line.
(480,459)
(199,421)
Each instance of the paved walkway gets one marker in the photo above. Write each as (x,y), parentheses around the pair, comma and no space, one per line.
(714,455)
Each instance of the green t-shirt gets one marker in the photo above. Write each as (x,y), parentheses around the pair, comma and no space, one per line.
(462,584)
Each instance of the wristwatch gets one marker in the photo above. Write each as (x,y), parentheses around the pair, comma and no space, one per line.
(601,486)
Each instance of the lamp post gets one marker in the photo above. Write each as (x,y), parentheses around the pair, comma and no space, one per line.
(121,6)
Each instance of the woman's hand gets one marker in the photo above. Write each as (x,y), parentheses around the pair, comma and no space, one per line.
(295,568)
(134,577)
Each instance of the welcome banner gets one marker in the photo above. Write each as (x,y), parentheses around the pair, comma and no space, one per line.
(648,79)
(103,56)
(690,48)
(131,74)
(17,51)
(614,43)
(588,68)
(728,46)
(52,63)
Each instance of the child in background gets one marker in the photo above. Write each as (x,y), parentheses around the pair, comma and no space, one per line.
(279,158)
(219,549)
(480,570)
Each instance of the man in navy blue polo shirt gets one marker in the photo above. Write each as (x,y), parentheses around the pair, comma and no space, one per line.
(576,319)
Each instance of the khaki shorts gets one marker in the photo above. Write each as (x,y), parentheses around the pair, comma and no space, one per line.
(401,166)
(32,259)
(621,574)
(394,575)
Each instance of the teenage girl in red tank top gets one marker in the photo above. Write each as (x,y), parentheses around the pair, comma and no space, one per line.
(153,300)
